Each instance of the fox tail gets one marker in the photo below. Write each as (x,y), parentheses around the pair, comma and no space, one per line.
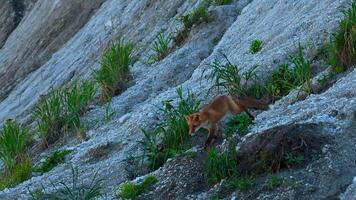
(249,102)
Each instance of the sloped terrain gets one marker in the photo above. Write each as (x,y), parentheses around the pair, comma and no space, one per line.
(59,42)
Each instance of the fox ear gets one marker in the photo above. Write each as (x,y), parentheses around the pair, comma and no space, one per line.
(187,117)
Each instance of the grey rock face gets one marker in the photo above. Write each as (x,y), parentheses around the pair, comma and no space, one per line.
(61,41)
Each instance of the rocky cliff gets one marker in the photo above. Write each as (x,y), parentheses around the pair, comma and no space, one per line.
(59,42)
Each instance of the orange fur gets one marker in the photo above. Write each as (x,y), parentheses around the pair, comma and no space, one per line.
(210,115)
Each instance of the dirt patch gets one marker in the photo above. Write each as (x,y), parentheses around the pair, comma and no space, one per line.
(102,152)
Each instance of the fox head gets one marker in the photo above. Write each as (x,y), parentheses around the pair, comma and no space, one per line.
(194,122)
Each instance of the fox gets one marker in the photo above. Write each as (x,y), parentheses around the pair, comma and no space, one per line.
(210,115)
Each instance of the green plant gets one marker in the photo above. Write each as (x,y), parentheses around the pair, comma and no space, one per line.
(19,172)
(76,99)
(273,182)
(218,2)
(161,47)
(50,117)
(74,191)
(285,79)
(199,15)
(114,69)
(292,159)
(219,166)
(52,161)
(130,190)
(240,123)
(170,137)
(109,112)
(13,141)
(229,77)
(256,46)
(241,183)
(343,44)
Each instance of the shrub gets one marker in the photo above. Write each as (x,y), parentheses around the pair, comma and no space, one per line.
(219,166)
(256,46)
(161,47)
(130,190)
(285,79)
(343,45)
(170,138)
(229,77)
(19,173)
(240,123)
(273,182)
(76,190)
(114,70)
(13,141)
(52,161)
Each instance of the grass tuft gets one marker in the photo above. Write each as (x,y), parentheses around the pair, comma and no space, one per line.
(130,190)
(52,161)
(256,46)
(171,136)
(273,182)
(13,141)
(19,173)
(61,110)
(240,183)
(285,78)
(218,2)
(219,166)
(240,123)
(161,47)
(229,77)
(75,190)
(343,44)
(113,73)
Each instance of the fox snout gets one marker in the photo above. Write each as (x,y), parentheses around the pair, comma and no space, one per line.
(193,122)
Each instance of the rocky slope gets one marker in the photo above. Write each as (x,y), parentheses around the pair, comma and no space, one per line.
(58,42)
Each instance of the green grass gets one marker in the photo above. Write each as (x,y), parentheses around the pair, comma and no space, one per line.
(130,190)
(256,46)
(76,100)
(19,173)
(286,78)
(239,123)
(292,159)
(61,110)
(113,73)
(75,190)
(221,165)
(240,183)
(13,142)
(49,115)
(52,161)
(161,47)
(197,16)
(170,137)
(273,182)
(343,44)
(228,76)
(218,2)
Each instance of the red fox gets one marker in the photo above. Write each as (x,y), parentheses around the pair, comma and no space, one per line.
(210,115)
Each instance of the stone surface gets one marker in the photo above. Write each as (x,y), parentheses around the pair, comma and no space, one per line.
(61,41)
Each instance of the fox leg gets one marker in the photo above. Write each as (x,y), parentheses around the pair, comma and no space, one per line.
(212,134)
